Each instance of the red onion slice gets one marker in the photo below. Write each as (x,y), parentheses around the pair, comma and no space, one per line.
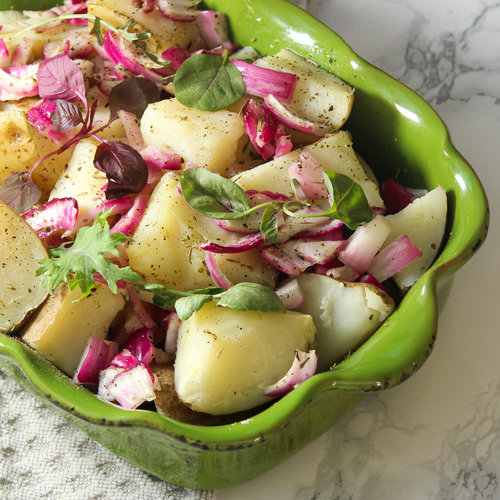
(125,360)
(176,56)
(393,258)
(217,275)
(242,245)
(309,173)
(395,196)
(370,280)
(23,52)
(55,215)
(286,117)
(262,82)
(121,52)
(96,357)
(173,325)
(13,89)
(291,294)
(129,222)
(130,124)
(303,367)
(213,27)
(131,388)
(364,243)
(315,251)
(161,158)
(5,56)
(141,345)
(343,273)
(285,261)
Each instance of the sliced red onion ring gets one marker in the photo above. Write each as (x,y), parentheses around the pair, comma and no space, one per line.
(129,222)
(286,117)
(330,231)
(5,56)
(393,258)
(54,215)
(343,273)
(242,245)
(24,71)
(364,243)
(96,357)
(309,173)
(176,56)
(303,367)
(122,52)
(284,260)
(12,88)
(145,6)
(141,345)
(291,294)
(130,123)
(125,360)
(131,388)
(283,142)
(23,52)
(217,275)
(173,324)
(262,82)
(324,268)
(395,196)
(213,28)
(315,251)
(161,158)
(178,10)
(370,280)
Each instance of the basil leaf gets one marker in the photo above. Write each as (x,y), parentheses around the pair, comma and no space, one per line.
(212,195)
(133,95)
(349,203)
(185,306)
(251,297)
(269,225)
(20,192)
(208,82)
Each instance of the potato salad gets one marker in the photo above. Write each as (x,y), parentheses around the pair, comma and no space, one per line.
(187,226)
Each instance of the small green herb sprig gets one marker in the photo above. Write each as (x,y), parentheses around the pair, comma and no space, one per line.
(220,198)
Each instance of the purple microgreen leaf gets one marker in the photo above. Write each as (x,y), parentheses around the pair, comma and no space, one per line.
(124,167)
(20,192)
(133,95)
(60,78)
(66,116)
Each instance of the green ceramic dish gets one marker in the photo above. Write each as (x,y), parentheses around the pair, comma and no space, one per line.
(395,130)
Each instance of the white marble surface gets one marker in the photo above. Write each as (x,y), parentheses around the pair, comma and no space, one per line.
(437,436)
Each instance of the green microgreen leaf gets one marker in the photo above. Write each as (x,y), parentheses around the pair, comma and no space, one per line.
(251,297)
(75,263)
(166,297)
(349,203)
(208,82)
(269,225)
(185,306)
(96,30)
(213,195)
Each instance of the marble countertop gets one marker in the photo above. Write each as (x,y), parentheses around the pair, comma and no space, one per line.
(436,436)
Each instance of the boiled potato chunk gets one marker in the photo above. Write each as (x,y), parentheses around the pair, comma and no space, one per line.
(20,249)
(334,152)
(164,32)
(345,314)
(81,180)
(423,221)
(21,146)
(208,139)
(165,247)
(319,96)
(62,326)
(225,357)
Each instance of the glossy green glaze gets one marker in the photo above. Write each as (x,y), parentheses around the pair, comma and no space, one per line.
(396,131)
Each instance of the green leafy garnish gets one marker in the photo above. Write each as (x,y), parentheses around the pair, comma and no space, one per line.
(208,82)
(213,195)
(75,263)
(349,203)
(269,225)
(242,296)
(220,198)
(251,297)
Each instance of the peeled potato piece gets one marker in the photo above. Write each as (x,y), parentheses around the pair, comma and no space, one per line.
(225,357)
(423,221)
(345,314)
(21,291)
(62,326)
